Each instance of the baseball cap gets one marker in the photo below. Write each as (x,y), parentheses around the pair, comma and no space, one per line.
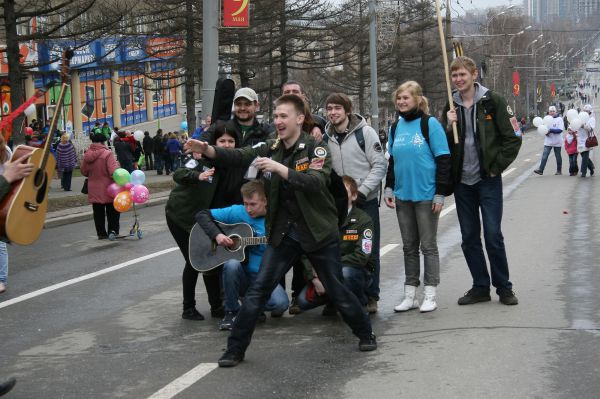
(552,108)
(588,108)
(246,93)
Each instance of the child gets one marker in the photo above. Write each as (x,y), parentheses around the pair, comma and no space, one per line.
(571,148)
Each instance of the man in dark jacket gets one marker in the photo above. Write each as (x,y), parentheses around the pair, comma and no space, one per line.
(490,138)
(158,150)
(244,124)
(301,219)
(148,146)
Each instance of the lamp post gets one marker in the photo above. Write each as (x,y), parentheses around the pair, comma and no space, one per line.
(535,103)
(513,37)
(527,52)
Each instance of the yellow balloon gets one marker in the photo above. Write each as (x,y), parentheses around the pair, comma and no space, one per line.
(122,201)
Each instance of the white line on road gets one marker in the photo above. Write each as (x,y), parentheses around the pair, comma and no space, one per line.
(527,160)
(387,249)
(447,210)
(184,381)
(83,278)
(508,172)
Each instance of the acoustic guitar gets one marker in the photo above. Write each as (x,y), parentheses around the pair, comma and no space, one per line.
(23,209)
(205,254)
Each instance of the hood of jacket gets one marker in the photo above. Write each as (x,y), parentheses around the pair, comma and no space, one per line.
(356,122)
(480,91)
(95,151)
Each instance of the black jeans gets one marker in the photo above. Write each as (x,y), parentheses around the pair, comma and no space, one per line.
(65,179)
(149,158)
(189,279)
(112,216)
(275,263)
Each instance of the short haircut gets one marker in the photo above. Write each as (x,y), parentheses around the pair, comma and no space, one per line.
(416,91)
(220,130)
(463,62)
(98,138)
(340,99)
(293,82)
(298,103)
(351,183)
(253,187)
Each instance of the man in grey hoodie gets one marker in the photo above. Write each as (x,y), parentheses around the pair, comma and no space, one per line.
(356,152)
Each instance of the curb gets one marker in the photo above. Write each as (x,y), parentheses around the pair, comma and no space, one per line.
(85,212)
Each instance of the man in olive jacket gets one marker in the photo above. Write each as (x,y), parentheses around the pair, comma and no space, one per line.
(489,141)
(301,219)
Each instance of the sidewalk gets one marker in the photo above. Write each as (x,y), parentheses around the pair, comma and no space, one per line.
(58,197)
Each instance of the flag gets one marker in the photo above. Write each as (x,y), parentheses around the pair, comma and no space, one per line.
(516,84)
(236,13)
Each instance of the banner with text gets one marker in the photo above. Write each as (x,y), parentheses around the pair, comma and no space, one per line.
(236,13)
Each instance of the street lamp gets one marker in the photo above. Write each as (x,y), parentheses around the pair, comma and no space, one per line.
(487,29)
(513,36)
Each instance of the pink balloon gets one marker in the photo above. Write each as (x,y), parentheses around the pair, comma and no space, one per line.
(28,131)
(139,194)
(113,189)
(127,186)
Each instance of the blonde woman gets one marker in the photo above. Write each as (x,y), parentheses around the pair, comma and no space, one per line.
(418,178)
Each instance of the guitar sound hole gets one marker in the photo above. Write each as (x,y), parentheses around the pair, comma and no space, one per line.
(237,243)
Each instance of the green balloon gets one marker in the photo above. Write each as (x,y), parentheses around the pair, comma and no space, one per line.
(121,176)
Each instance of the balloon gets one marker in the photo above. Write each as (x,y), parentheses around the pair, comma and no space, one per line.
(537,121)
(183,125)
(576,124)
(138,135)
(30,110)
(28,131)
(138,177)
(543,129)
(121,176)
(122,201)
(140,194)
(571,114)
(127,186)
(583,117)
(548,120)
(113,189)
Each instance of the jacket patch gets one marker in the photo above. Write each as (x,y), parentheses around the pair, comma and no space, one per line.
(317,163)
(320,152)
(301,166)
(367,246)
(352,231)
(350,237)
(509,110)
(377,147)
(515,126)
(368,233)
(191,164)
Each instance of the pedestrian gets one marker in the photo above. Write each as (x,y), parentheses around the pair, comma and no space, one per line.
(66,161)
(553,141)
(165,154)
(98,166)
(490,139)
(418,178)
(148,145)
(582,134)
(124,145)
(356,152)
(158,152)
(201,186)
(173,147)
(301,219)
(571,148)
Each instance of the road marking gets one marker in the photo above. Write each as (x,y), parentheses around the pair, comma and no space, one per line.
(184,381)
(508,172)
(527,160)
(387,249)
(447,210)
(85,277)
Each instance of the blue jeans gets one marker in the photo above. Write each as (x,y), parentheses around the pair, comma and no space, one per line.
(546,154)
(573,168)
(3,262)
(275,263)
(487,196)
(371,208)
(236,281)
(586,163)
(356,279)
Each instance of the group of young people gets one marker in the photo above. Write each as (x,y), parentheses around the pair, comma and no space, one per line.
(281,183)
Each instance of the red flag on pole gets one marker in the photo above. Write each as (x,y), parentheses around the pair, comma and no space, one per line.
(553,90)
(236,13)
(516,84)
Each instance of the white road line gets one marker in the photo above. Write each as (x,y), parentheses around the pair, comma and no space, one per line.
(527,160)
(447,210)
(508,172)
(184,381)
(85,277)
(387,249)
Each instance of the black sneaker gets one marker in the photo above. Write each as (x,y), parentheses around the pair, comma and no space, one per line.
(262,317)
(217,312)
(227,322)
(368,343)
(508,297)
(329,310)
(474,296)
(230,358)
(558,173)
(192,314)
(538,172)
(6,386)
(294,307)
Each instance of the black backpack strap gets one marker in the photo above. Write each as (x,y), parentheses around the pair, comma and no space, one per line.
(425,127)
(392,132)
(360,138)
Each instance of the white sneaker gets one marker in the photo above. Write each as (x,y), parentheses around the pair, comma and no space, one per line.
(429,301)
(409,302)
(2,288)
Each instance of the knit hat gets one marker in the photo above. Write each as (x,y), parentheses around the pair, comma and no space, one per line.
(588,108)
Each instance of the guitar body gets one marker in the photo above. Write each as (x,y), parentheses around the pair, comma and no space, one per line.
(205,254)
(23,210)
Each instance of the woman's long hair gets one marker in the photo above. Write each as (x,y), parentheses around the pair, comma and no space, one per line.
(416,91)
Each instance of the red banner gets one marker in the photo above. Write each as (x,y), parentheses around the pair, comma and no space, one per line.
(553,90)
(236,13)
(516,84)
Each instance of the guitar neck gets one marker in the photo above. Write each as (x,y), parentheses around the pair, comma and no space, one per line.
(53,124)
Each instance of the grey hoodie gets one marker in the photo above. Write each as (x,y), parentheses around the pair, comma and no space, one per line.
(367,167)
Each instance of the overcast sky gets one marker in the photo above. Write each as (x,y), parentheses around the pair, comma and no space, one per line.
(471,4)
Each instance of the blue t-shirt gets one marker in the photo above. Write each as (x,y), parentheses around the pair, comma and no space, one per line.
(237,214)
(414,159)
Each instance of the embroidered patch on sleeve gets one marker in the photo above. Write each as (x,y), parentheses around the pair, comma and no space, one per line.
(515,126)
(368,233)
(320,152)
(377,147)
(350,237)
(367,246)
(317,163)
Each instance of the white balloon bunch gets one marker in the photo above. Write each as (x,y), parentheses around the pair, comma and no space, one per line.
(548,121)
(543,129)
(537,121)
(576,123)
(571,115)
(138,135)
(584,117)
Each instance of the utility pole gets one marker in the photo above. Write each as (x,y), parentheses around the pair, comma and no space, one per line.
(210,53)
(373,63)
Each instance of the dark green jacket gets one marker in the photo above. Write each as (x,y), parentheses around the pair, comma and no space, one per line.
(497,140)
(190,195)
(4,187)
(356,240)
(309,178)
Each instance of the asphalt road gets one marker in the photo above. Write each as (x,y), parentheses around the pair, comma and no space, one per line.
(70,327)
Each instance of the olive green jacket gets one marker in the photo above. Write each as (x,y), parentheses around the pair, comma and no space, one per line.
(309,177)
(356,240)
